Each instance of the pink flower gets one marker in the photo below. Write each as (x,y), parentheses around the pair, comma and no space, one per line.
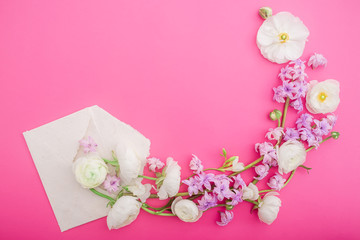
(195,164)
(154,163)
(226,217)
(88,144)
(317,60)
(262,171)
(275,134)
(276,182)
(111,183)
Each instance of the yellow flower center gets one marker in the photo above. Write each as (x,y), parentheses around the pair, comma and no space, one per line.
(283,37)
(322,96)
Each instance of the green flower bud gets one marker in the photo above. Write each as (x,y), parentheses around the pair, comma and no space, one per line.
(229,207)
(335,135)
(265,12)
(275,115)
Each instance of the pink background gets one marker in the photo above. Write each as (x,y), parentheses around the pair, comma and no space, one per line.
(188,75)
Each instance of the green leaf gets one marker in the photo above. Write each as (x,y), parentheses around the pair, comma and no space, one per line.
(113,163)
(224,153)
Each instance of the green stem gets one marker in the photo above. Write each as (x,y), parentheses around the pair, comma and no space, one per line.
(248,166)
(251,201)
(151,178)
(286,106)
(102,195)
(279,122)
(157,213)
(216,169)
(310,148)
(288,180)
(219,205)
(267,190)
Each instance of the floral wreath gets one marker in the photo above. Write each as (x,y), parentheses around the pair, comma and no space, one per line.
(281,38)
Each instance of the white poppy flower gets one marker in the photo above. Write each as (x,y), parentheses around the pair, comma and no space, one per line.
(269,208)
(323,97)
(291,154)
(171,183)
(125,211)
(90,171)
(186,210)
(282,37)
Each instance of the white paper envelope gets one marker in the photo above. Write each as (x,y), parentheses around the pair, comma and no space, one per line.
(54,147)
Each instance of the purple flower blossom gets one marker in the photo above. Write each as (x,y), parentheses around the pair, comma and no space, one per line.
(285,73)
(305,121)
(236,198)
(238,181)
(205,180)
(289,89)
(317,60)
(88,144)
(301,88)
(194,186)
(262,171)
(155,163)
(225,218)
(220,177)
(279,95)
(291,134)
(222,189)
(111,183)
(298,64)
(322,127)
(299,74)
(297,105)
(207,201)
(275,134)
(276,182)
(267,150)
(195,164)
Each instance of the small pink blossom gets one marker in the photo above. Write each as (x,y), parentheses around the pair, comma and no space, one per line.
(317,60)
(267,150)
(89,145)
(155,163)
(275,134)
(195,164)
(262,171)
(111,183)
(276,182)
(226,217)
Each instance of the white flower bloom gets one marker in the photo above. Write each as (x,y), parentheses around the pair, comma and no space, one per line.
(90,171)
(291,154)
(186,210)
(142,191)
(323,97)
(125,211)
(236,165)
(250,192)
(130,164)
(282,37)
(269,208)
(171,184)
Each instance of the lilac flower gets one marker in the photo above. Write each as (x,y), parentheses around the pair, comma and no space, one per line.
(207,201)
(222,189)
(154,163)
(298,64)
(111,183)
(299,74)
(300,88)
(276,182)
(305,134)
(195,164)
(267,150)
(236,198)
(331,119)
(288,89)
(279,95)
(291,134)
(297,105)
(285,73)
(220,177)
(275,134)
(205,180)
(262,171)
(317,60)
(315,141)
(225,218)
(322,127)
(88,144)
(304,120)
(238,181)
(194,186)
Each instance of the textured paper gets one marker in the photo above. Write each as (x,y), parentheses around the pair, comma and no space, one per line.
(54,147)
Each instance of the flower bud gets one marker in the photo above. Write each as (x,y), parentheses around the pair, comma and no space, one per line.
(229,207)
(275,115)
(265,12)
(335,135)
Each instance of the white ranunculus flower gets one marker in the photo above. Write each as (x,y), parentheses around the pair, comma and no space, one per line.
(282,37)
(90,171)
(236,165)
(323,97)
(171,184)
(291,154)
(250,192)
(269,208)
(125,211)
(130,164)
(142,191)
(186,210)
